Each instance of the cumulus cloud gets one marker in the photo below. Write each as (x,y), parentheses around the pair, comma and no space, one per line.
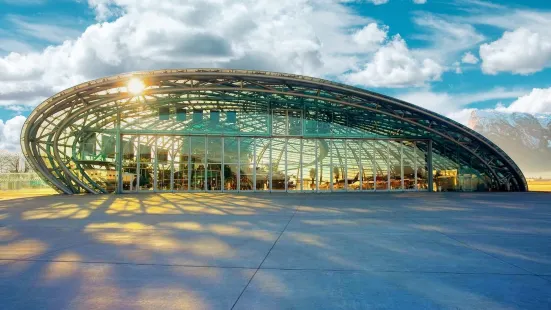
(458,106)
(469,58)
(394,65)
(370,36)
(296,36)
(10,132)
(537,101)
(521,51)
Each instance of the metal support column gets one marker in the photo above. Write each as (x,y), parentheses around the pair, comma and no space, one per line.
(300,169)
(119,153)
(429,166)
(188,139)
(402,164)
(222,178)
(415,160)
(286,166)
(238,164)
(155,166)
(388,186)
(205,163)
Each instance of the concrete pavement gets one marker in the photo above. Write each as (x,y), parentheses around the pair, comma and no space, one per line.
(277,251)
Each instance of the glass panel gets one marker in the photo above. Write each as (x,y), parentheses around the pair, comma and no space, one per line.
(129,163)
(295,122)
(214,160)
(409,165)
(246,166)
(338,175)
(293,164)
(367,165)
(353,164)
(181,164)
(445,172)
(309,169)
(324,164)
(395,165)
(278,164)
(279,122)
(147,157)
(422,168)
(231,163)
(380,154)
(198,164)
(164,163)
(262,168)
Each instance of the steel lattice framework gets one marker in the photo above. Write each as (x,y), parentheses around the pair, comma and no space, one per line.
(59,128)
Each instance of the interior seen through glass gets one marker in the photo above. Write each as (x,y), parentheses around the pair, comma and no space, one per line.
(206,163)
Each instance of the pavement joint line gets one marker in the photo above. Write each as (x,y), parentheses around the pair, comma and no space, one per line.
(31,258)
(272,268)
(265,257)
(495,257)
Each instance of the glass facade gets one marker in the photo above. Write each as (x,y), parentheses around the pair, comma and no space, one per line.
(215,163)
(230,130)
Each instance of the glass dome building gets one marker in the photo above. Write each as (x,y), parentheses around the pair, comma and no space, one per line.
(237,130)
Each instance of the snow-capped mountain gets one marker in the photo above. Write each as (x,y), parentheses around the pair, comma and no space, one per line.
(525,137)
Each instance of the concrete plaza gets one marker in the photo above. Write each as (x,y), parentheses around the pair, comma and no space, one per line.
(277,251)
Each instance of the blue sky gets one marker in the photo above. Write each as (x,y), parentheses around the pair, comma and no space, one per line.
(453,56)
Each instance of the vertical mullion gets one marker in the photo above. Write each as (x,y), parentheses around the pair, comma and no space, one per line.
(238,164)
(388,165)
(415,186)
(374,164)
(155,164)
(300,173)
(345,170)
(317,168)
(360,164)
(331,175)
(286,165)
(172,165)
(189,164)
(138,164)
(402,164)
(205,186)
(270,145)
(222,183)
(254,164)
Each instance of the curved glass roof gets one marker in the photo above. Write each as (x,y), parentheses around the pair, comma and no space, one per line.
(58,131)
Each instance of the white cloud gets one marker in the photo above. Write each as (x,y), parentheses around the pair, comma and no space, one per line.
(296,36)
(378,2)
(457,67)
(371,36)
(537,101)
(10,132)
(394,65)
(447,39)
(43,31)
(419,1)
(522,51)
(457,106)
(440,103)
(469,58)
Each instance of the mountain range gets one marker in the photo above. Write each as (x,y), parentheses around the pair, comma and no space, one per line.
(525,137)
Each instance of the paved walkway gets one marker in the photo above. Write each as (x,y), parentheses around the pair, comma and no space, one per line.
(277,251)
